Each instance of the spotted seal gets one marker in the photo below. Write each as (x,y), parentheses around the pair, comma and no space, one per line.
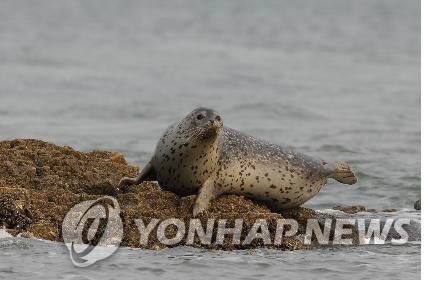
(200,155)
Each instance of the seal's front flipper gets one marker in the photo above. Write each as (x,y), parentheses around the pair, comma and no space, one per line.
(343,173)
(206,193)
(146,174)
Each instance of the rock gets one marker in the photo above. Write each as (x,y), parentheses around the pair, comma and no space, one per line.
(360,208)
(350,209)
(417,205)
(25,234)
(56,178)
(389,210)
(118,158)
(12,214)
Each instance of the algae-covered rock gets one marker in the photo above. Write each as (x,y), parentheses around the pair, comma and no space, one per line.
(40,182)
(350,209)
(417,205)
(13,214)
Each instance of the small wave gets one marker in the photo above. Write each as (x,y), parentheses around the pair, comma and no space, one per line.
(13,243)
(278,110)
(335,149)
(4,234)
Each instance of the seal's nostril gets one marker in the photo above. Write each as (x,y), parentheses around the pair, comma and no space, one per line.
(218,118)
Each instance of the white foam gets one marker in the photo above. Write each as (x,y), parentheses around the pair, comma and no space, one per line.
(4,234)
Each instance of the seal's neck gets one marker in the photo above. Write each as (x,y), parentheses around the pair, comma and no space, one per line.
(201,145)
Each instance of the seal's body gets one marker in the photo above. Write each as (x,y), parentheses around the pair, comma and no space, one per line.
(183,161)
(199,155)
(280,177)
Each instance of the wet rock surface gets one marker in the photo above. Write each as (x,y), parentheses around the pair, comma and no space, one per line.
(40,182)
(417,205)
(359,208)
(350,209)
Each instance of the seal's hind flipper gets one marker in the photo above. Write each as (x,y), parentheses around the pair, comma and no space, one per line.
(146,174)
(342,172)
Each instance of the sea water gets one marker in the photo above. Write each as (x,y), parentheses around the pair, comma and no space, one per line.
(336,79)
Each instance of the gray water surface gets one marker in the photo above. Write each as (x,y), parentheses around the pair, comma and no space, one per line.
(336,79)
(39,259)
(46,260)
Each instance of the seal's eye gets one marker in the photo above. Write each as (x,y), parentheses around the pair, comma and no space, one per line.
(199,117)
(217,118)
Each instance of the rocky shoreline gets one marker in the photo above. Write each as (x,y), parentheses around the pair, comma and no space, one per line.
(40,182)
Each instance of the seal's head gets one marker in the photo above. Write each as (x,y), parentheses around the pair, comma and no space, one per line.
(205,122)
